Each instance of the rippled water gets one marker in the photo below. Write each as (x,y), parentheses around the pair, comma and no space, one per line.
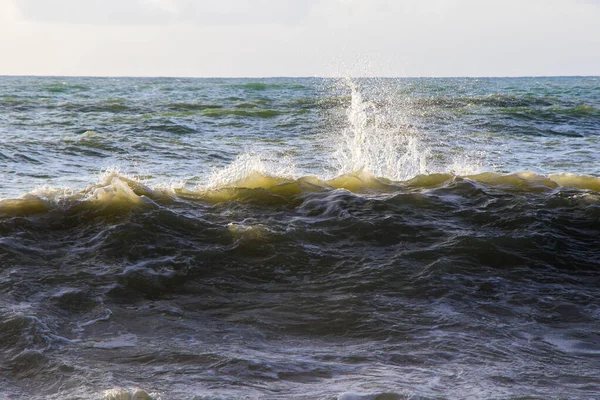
(299,238)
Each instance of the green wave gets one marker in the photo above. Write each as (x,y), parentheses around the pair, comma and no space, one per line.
(118,193)
(248,112)
(261,86)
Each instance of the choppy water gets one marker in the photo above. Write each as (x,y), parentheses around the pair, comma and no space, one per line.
(299,238)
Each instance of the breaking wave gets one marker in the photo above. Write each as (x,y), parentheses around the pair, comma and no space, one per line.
(118,192)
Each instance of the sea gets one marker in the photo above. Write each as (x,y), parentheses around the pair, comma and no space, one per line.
(299,238)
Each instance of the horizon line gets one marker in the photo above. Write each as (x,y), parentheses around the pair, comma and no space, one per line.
(297,77)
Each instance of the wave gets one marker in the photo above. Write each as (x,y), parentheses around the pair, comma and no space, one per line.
(240,112)
(116,192)
(191,106)
(132,394)
(261,86)
(64,87)
(491,100)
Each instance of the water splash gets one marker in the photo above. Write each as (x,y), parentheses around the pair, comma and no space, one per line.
(378,140)
(372,134)
(379,136)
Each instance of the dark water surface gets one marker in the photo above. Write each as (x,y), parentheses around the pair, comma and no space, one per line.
(299,238)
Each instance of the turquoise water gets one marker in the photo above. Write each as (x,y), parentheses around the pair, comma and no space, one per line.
(299,238)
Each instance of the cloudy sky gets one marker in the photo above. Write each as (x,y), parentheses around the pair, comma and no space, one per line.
(300,37)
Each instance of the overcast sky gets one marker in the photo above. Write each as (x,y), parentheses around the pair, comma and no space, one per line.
(300,37)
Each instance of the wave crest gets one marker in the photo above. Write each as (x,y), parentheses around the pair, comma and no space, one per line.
(117,193)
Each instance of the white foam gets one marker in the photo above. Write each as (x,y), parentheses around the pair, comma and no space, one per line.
(128,394)
(250,163)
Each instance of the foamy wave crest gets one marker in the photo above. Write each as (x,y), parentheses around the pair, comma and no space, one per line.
(113,192)
(117,193)
(114,184)
(246,169)
(129,394)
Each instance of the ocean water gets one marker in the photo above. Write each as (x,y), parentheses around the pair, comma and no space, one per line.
(299,238)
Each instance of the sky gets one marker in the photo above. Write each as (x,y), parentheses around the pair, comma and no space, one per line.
(262,38)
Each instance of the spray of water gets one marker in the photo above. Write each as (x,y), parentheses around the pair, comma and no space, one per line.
(374,136)
(377,139)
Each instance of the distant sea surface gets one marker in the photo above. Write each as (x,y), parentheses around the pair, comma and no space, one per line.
(371,239)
